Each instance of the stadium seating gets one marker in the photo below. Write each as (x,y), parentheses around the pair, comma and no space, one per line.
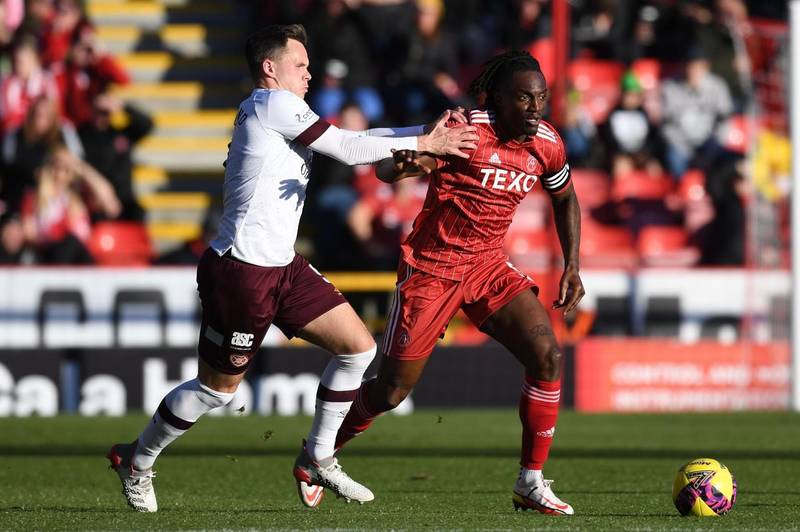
(599,84)
(665,246)
(641,185)
(606,246)
(120,244)
(184,59)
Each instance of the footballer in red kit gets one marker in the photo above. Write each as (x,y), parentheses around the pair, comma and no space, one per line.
(453,259)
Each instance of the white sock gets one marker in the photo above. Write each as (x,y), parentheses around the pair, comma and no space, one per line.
(529,477)
(337,388)
(179,410)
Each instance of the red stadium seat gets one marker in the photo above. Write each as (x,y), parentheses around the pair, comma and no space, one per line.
(693,185)
(736,134)
(648,72)
(641,185)
(593,187)
(666,246)
(544,51)
(607,246)
(529,249)
(599,84)
(120,244)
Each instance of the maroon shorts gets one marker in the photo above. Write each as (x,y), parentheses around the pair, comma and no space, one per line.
(424,304)
(241,300)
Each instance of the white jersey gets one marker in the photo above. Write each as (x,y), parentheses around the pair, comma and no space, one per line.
(267,170)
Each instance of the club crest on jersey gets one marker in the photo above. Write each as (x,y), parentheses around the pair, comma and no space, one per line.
(531,164)
(238,360)
(404,339)
(501,179)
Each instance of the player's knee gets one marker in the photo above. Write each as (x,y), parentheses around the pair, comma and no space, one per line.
(391,398)
(359,361)
(549,363)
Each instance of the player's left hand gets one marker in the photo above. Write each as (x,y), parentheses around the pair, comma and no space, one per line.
(408,162)
(570,291)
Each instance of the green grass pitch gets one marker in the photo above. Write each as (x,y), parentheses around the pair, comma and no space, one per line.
(431,470)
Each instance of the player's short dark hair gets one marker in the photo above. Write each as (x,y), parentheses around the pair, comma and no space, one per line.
(499,70)
(269,42)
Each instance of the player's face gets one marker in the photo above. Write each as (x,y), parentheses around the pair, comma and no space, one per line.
(290,69)
(522,103)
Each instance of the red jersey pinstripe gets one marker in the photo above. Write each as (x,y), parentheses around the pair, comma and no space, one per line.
(471,202)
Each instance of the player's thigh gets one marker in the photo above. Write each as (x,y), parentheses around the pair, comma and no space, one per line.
(339,330)
(422,306)
(523,326)
(314,310)
(238,303)
(217,380)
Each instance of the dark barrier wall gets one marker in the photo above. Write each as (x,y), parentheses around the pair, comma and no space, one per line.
(282,381)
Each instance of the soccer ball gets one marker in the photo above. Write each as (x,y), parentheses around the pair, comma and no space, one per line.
(704,487)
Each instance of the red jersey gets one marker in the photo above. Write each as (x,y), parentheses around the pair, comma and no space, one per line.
(471,202)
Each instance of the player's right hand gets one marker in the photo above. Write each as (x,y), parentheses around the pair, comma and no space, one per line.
(443,140)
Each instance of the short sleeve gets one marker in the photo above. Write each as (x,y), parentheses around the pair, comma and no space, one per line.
(556,177)
(290,116)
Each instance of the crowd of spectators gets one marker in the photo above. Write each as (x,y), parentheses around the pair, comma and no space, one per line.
(403,61)
(66,141)
(653,88)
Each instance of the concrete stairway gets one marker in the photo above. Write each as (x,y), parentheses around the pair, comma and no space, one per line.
(185,57)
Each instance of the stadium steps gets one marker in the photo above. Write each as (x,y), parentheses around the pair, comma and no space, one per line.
(150,179)
(201,123)
(153,15)
(188,40)
(181,95)
(184,58)
(183,153)
(148,67)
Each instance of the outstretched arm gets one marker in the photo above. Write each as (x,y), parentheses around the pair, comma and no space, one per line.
(567,215)
(403,164)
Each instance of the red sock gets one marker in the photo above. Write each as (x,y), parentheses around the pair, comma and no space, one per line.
(538,410)
(359,418)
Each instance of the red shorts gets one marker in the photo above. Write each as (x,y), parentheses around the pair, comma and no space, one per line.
(424,304)
(241,300)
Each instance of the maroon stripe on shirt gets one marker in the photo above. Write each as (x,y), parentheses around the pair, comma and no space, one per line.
(313,132)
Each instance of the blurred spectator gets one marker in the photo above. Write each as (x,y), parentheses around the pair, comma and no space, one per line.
(62,28)
(693,109)
(723,239)
(26,82)
(11,14)
(528,22)
(12,241)
(382,220)
(717,28)
(333,189)
(38,14)
(87,72)
(426,81)
(341,61)
(108,148)
(579,132)
(631,139)
(602,28)
(56,215)
(27,147)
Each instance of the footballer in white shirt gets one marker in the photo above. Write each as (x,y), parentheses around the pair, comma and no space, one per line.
(251,276)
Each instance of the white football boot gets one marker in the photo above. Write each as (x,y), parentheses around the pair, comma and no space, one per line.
(312,476)
(540,497)
(137,486)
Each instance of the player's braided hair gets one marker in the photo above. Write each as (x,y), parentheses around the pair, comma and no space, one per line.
(499,70)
